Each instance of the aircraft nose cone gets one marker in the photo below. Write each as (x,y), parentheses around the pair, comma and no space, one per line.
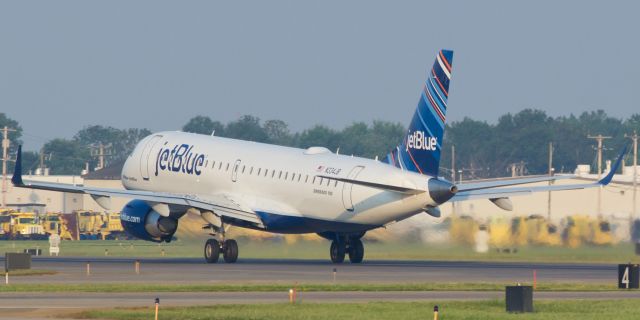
(441,191)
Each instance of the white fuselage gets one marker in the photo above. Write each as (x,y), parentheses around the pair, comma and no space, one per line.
(276,181)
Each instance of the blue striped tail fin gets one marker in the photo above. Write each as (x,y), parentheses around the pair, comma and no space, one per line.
(421,145)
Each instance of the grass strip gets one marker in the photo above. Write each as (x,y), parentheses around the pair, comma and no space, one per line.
(477,310)
(142,287)
(31,272)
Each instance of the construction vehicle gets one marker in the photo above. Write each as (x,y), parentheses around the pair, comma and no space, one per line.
(581,229)
(601,234)
(54,223)
(541,232)
(462,229)
(25,225)
(112,228)
(519,234)
(91,225)
(499,233)
(50,223)
(5,226)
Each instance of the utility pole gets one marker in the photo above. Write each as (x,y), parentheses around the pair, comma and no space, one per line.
(100,153)
(5,148)
(453,175)
(550,182)
(599,138)
(634,138)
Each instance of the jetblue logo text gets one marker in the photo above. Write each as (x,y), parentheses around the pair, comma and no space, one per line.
(180,158)
(419,140)
(128,218)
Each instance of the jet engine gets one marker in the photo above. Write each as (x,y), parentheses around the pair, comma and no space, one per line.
(141,221)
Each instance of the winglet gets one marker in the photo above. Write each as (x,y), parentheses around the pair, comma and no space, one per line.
(17,170)
(605,181)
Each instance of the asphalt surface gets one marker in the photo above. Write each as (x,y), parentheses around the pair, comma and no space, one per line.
(194,270)
(17,305)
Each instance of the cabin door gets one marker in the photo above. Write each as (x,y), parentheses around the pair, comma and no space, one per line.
(234,173)
(348,188)
(145,157)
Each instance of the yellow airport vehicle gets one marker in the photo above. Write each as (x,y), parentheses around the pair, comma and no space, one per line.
(112,228)
(582,229)
(500,233)
(5,226)
(94,225)
(51,223)
(519,234)
(462,229)
(542,233)
(25,225)
(601,234)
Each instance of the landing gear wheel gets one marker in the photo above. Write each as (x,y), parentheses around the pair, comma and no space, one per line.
(356,251)
(230,251)
(337,252)
(212,251)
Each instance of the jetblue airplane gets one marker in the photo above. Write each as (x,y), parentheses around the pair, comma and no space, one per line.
(230,182)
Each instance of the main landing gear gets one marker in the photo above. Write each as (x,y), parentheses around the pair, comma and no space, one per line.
(228,248)
(341,247)
(214,247)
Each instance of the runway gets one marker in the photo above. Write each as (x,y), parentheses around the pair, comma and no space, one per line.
(20,305)
(194,270)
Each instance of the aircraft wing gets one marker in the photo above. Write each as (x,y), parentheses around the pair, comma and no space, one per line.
(478,185)
(220,204)
(496,190)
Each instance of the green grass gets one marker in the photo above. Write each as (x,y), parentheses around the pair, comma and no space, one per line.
(319,250)
(479,310)
(284,287)
(31,272)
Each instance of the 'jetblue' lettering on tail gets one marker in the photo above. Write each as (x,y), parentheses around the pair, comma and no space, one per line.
(420,148)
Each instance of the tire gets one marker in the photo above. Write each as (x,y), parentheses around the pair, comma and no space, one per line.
(230,251)
(356,251)
(337,252)
(212,251)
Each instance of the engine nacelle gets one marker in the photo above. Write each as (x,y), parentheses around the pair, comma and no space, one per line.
(141,221)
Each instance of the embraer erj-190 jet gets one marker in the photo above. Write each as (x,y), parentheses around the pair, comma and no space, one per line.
(279,189)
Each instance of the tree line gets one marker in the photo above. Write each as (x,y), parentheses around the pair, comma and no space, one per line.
(483,149)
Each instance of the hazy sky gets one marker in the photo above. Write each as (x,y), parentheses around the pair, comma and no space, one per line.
(155,64)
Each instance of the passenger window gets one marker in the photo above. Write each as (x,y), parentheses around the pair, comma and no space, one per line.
(294,176)
(206,163)
(213,166)
(243,167)
(220,166)
(328,182)
(321,179)
(251,171)
(314,180)
(259,169)
(273,173)
(336,184)
(227,169)
(306,179)
(280,175)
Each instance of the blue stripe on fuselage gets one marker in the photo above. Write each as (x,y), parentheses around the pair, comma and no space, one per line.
(281,223)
